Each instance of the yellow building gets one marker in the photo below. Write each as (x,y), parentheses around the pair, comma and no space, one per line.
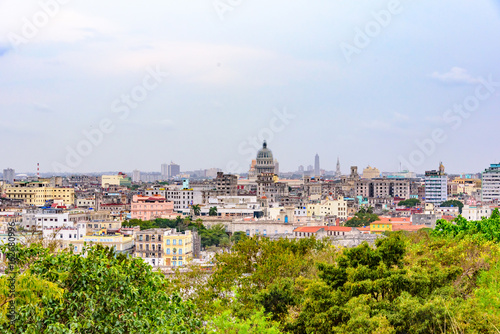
(379,227)
(164,247)
(121,243)
(38,192)
(336,208)
(110,180)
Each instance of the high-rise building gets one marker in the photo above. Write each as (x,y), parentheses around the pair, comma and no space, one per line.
(164,171)
(173,170)
(436,186)
(491,183)
(338,173)
(310,168)
(276,167)
(8,175)
(136,176)
(316,165)
(301,169)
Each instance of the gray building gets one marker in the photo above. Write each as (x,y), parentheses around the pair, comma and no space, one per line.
(490,185)
(8,175)
(265,161)
(316,165)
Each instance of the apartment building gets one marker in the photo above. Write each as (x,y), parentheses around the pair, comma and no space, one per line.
(373,188)
(436,186)
(164,247)
(336,208)
(38,192)
(150,207)
(491,183)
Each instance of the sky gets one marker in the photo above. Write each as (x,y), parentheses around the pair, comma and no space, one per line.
(88,86)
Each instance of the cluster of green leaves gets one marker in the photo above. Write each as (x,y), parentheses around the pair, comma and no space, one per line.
(363,217)
(487,228)
(409,203)
(453,203)
(101,292)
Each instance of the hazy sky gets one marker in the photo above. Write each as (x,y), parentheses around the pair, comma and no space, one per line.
(201,82)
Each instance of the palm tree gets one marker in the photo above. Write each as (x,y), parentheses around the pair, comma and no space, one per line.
(196,209)
(212,211)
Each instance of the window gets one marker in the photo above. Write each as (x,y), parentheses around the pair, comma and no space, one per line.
(168,241)
(180,241)
(173,263)
(174,242)
(153,248)
(140,237)
(147,246)
(140,246)
(168,251)
(147,237)
(180,263)
(180,251)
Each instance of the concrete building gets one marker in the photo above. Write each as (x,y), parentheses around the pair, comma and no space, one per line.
(182,198)
(173,170)
(476,213)
(335,208)
(37,193)
(119,242)
(226,184)
(269,187)
(436,186)
(316,165)
(8,175)
(136,176)
(150,207)
(491,183)
(265,161)
(373,188)
(338,173)
(164,247)
(370,173)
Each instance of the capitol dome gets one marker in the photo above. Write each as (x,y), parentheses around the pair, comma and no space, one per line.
(265,160)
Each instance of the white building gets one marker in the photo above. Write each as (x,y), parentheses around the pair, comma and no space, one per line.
(491,183)
(182,198)
(475,213)
(136,176)
(436,186)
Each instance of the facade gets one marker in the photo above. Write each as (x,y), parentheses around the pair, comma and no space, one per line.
(370,173)
(38,192)
(164,247)
(476,213)
(136,176)
(173,170)
(373,188)
(110,180)
(119,242)
(269,187)
(182,198)
(491,183)
(335,208)
(436,186)
(8,175)
(226,184)
(265,161)
(150,207)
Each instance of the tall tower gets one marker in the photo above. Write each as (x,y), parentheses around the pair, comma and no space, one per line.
(338,173)
(316,165)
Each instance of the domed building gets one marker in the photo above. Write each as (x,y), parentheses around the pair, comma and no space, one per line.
(265,161)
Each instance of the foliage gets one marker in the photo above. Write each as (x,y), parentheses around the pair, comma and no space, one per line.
(257,323)
(96,293)
(454,203)
(362,218)
(487,228)
(196,209)
(409,203)
(212,211)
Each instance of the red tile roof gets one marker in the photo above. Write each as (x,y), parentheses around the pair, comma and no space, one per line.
(309,229)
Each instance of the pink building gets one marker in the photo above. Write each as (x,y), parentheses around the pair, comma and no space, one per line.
(150,207)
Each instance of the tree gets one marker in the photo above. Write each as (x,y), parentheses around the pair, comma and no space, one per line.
(409,203)
(453,203)
(97,293)
(212,211)
(362,218)
(196,209)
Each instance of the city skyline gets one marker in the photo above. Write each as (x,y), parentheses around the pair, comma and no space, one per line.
(134,88)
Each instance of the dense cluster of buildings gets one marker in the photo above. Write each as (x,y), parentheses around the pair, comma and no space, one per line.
(80,210)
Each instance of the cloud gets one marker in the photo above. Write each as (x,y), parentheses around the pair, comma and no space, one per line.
(455,75)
